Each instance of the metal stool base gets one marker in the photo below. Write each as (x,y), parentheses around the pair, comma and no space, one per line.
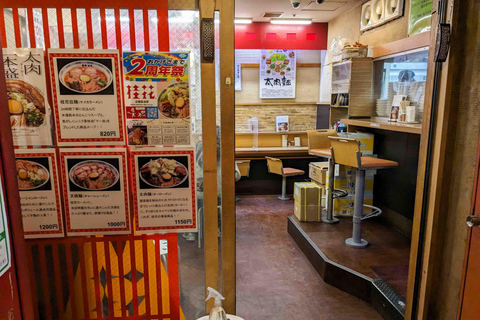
(330,221)
(357,245)
(283,198)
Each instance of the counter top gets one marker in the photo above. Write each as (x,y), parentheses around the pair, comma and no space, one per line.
(384,124)
(261,152)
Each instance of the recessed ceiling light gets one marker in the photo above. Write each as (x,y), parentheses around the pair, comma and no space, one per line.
(243,20)
(291,21)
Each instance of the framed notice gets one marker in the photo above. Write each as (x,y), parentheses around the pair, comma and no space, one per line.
(39,193)
(87,97)
(95,191)
(157,98)
(277,74)
(5,249)
(420,17)
(164,189)
(30,114)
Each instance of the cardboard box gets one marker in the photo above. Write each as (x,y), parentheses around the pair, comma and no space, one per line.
(366,140)
(344,207)
(308,193)
(308,213)
(346,180)
(318,171)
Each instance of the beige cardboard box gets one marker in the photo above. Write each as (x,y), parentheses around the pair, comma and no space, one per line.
(344,207)
(308,213)
(308,193)
(318,171)
(346,180)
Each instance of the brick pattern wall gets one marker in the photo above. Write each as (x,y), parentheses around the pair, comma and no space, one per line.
(301,117)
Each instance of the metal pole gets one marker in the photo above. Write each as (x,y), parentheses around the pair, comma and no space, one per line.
(284,189)
(331,181)
(356,241)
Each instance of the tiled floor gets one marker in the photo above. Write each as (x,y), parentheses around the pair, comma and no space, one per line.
(274,279)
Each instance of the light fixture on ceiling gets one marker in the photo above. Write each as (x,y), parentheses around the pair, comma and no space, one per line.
(242,20)
(291,21)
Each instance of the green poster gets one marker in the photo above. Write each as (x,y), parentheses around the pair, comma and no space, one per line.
(420,16)
(4,240)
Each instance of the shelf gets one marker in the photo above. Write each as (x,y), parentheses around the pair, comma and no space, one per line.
(274,132)
(334,106)
(384,124)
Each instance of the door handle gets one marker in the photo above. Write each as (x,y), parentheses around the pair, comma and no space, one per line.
(473,221)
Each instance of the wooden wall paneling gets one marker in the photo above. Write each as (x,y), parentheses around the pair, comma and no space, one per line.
(227,122)
(209,137)
(439,170)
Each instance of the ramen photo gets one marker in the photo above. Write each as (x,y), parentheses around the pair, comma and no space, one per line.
(94,175)
(25,103)
(85,76)
(174,101)
(30,175)
(163,173)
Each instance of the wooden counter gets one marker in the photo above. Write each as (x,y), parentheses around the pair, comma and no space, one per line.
(384,124)
(280,152)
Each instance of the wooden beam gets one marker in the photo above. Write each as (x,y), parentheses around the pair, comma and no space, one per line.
(299,65)
(409,43)
(227,116)
(209,138)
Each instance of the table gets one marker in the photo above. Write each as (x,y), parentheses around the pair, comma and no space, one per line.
(262,152)
(382,123)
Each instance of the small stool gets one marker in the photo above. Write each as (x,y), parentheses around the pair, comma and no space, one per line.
(319,145)
(346,151)
(276,166)
(242,169)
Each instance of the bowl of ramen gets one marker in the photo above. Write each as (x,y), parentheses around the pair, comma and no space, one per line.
(31,175)
(94,175)
(163,173)
(85,76)
(25,103)
(174,101)
(137,137)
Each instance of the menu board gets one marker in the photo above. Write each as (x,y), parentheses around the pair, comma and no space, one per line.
(5,249)
(30,114)
(164,184)
(39,193)
(87,97)
(157,98)
(95,191)
(277,74)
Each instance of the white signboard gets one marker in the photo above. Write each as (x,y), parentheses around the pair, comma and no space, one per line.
(87,97)
(238,77)
(95,191)
(39,193)
(5,249)
(277,74)
(30,114)
(165,193)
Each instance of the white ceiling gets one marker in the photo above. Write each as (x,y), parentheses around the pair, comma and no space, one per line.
(308,9)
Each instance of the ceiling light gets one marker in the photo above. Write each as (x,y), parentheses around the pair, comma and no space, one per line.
(291,21)
(243,21)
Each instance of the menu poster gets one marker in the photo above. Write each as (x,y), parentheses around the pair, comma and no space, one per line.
(157,98)
(420,18)
(165,193)
(39,193)
(5,249)
(95,191)
(87,97)
(277,74)
(30,114)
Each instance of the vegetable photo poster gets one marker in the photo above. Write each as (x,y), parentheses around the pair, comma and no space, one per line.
(157,98)
(277,74)
(30,114)
(87,97)
(95,191)
(165,194)
(39,193)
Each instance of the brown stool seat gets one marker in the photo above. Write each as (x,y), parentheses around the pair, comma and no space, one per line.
(292,172)
(370,163)
(322,152)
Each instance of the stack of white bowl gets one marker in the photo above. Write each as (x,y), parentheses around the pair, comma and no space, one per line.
(382,108)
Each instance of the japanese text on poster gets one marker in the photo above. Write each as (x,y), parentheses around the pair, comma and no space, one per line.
(277,74)
(87,96)
(95,191)
(30,114)
(420,16)
(157,98)
(5,249)
(165,194)
(39,193)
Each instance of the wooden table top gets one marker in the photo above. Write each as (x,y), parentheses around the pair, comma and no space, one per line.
(261,152)
(383,124)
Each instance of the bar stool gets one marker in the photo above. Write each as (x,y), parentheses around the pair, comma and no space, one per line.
(346,151)
(276,166)
(319,145)
(242,169)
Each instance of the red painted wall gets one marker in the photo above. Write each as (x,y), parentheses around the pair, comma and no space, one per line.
(264,35)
